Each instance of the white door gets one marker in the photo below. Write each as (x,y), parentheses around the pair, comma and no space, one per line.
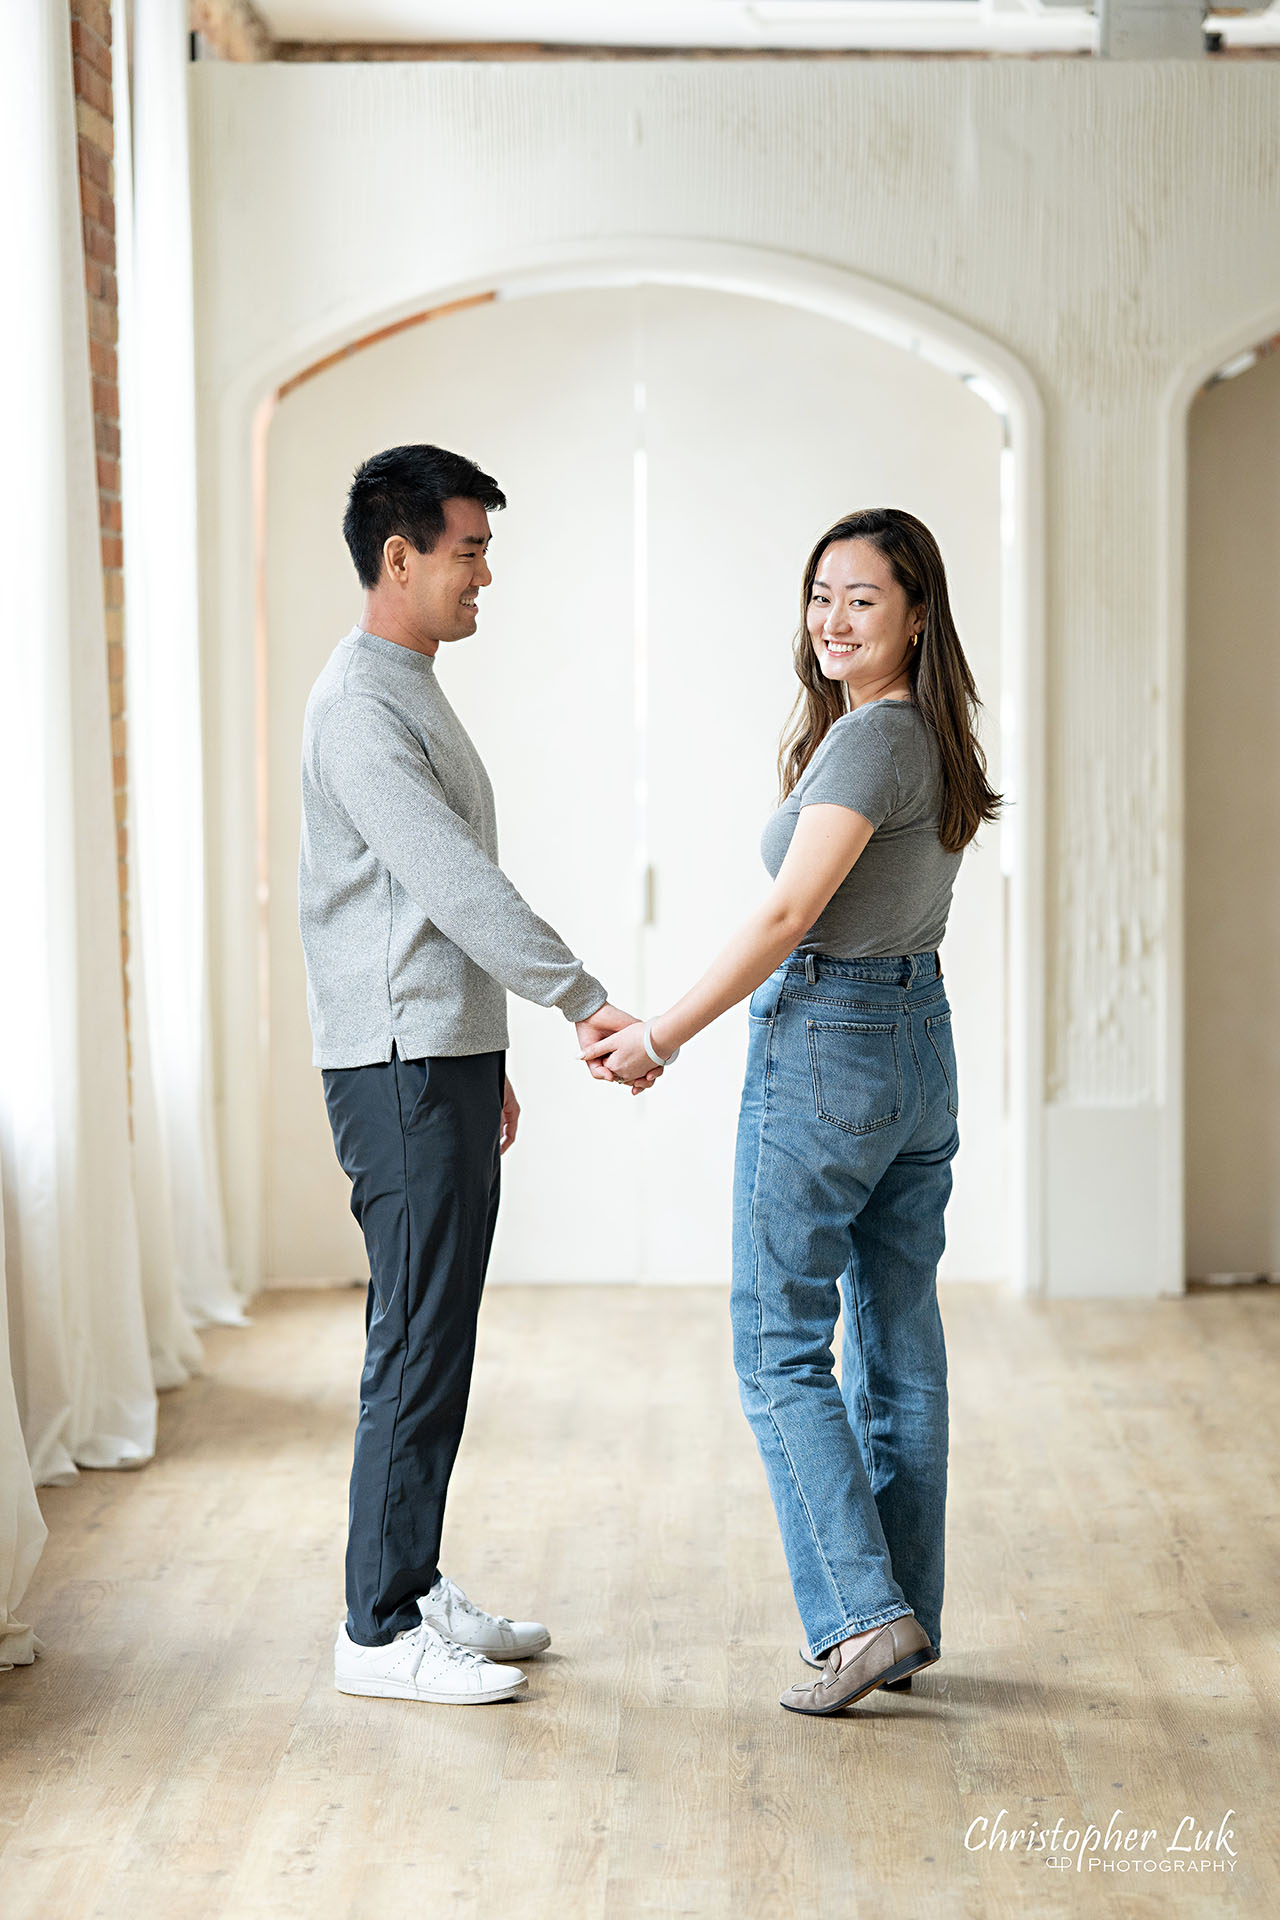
(762,426)
(541,396)
(669,456)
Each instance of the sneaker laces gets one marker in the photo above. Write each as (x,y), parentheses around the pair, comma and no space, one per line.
(456,1601)
(427,1639)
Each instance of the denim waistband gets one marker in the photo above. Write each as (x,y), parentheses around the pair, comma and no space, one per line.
(890,970)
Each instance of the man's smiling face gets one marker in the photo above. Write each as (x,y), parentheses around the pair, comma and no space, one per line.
(444,584)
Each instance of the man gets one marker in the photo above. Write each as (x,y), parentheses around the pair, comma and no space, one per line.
(412,933)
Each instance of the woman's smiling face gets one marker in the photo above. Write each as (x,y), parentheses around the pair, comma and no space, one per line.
(860,621)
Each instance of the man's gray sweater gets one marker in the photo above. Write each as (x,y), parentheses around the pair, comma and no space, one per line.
(410,928)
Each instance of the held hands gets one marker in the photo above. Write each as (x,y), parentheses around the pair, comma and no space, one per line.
(613,1049)
(625,1057)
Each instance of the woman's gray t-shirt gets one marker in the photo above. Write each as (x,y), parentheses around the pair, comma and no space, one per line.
(881,761)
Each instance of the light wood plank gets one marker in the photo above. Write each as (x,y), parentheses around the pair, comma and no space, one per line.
(1110,1638)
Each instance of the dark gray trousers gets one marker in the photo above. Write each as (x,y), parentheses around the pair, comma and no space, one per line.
(419,1141)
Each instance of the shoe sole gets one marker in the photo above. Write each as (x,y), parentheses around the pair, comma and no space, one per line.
(524,1651)
(398,1690)
(900,1670)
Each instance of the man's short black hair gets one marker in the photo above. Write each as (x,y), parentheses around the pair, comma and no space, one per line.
(403,490)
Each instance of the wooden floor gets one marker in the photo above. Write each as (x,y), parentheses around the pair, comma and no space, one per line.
(180,1753)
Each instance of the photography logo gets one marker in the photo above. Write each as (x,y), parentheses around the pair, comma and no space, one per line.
(1185,1845)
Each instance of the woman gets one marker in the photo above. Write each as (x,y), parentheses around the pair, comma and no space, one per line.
(847,1127)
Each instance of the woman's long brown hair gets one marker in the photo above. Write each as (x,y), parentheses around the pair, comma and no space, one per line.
(941,683)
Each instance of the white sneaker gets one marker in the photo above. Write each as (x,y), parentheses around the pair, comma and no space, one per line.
(420,1665)
(457,1619)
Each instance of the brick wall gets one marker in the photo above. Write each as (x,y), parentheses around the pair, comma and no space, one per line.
(91,55)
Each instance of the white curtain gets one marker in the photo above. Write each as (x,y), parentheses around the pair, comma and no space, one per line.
(111,1248)
(180,1202)
(22,1529)
(80,1375)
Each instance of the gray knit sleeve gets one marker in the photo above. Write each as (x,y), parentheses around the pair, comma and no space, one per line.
(855,768)
(373,768)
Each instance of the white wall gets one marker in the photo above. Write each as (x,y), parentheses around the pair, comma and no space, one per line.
(1233,826)
(1112,226)
(738,428)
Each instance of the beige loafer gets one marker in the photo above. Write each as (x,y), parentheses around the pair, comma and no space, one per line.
(819,1666)
(900,1648)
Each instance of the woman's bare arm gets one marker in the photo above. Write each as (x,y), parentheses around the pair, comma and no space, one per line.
(827,841)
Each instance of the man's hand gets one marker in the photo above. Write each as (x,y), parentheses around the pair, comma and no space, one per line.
(607,1020)
(510,1117)
(624,1054)
(598,1026)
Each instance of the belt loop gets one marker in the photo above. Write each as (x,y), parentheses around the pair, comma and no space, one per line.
(810,970)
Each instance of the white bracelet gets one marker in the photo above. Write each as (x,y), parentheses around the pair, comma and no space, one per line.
(656,1058)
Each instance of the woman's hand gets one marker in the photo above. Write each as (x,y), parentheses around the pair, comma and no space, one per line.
(624,1057)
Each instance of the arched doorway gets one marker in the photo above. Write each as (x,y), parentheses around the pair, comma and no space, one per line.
(701,438)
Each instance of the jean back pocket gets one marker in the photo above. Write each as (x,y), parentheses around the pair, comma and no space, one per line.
(857,1073)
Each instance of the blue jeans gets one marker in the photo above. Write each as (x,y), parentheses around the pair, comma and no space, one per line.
(846,1136)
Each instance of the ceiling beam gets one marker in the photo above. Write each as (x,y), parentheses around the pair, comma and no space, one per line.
(529,50)
(534,50)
